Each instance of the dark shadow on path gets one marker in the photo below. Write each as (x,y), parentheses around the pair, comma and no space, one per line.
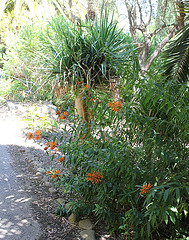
(25,202)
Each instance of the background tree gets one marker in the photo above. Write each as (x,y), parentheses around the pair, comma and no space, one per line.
(141,14)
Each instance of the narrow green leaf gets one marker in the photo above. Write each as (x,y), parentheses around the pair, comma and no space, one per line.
(55,124)
(148,229)
(172,217)
(178,195)
(165,196)
(165,217)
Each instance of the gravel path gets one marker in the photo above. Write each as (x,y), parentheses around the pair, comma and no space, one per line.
(26,206)
(16,220)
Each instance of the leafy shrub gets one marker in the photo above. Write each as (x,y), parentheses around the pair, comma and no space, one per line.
(129,171)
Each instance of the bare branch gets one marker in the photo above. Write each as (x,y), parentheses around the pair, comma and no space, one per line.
(140,12)
(159,47)
(161,28)
(132,20)
(150,16)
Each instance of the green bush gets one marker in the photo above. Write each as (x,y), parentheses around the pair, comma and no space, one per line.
(130,172)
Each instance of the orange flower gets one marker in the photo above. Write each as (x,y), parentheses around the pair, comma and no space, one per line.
(37,132)
(63,116)
(29,135)
(45,148)
(56,174)
(52,145)
(61,159)
(37,137)
(109,104)
(57,112)
(115,106)
(80,82)
(145,188)
(91,99)
(86,86)
(95,177)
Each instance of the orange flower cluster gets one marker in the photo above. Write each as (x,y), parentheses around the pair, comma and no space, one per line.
(91,99)
(55,173)
(115,106)
(95,177)
(80,82)
(57,112)
(52,145)
(86,86)
(29,135)
(145,188)
(61,159)
(63,116)
(37,135)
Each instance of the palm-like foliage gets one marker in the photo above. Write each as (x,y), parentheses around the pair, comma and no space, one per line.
(177,54)
(88,52)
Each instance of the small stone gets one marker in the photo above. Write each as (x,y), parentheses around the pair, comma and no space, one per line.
(41,170)
(60,201)
(85,224)
(72,218)
(88,235)
(52,190)
(47,184)
(38,173)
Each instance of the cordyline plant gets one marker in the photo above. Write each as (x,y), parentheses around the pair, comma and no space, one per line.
(84,54)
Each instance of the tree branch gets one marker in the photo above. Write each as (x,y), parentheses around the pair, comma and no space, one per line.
(161,28)
(150,16)
(159,48)
(140,12)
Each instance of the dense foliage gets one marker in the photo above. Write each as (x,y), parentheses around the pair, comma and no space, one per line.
(132,172)
(128,167)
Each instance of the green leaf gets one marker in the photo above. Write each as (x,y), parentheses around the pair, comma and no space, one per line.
(172,217)
(187,190)
(178,195)
(166,194)
(148,229)
(174,209)
(165,217)
(55,124)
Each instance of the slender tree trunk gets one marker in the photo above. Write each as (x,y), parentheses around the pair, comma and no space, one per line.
(114,86)
(82,109)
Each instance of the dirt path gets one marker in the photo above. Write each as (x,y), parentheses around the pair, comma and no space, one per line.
(26,206)
(16,220)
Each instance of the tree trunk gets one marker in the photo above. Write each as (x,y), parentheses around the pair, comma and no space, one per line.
(82,109)
(114,86)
